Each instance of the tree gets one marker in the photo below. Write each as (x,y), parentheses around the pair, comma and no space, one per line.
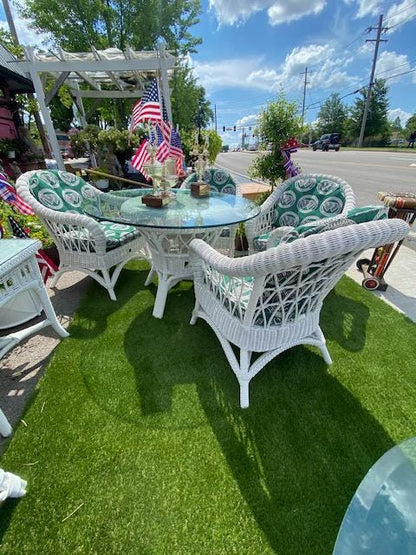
(276,124)
(411,124)
(396,125)
(77,25)
(332,115)
(190,108)
(377,126)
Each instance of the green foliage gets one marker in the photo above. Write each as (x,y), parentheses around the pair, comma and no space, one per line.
(411,124)
(332,116)
(6,40)
(6,145)
(214,144)
(377,127)
(31,224)
(190,108)
(76,25)
(276,124)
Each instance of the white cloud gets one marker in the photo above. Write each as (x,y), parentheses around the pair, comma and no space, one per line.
(231,12)
(391,63)
(399,113)
(247,120)
(26,36)
(400,13)
(254,74)
(368,7)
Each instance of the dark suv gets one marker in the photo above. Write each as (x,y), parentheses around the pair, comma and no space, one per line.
(329,141)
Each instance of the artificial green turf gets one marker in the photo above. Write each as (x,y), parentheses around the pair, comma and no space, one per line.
(138,419)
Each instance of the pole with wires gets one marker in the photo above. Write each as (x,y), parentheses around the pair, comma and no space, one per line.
(370,85)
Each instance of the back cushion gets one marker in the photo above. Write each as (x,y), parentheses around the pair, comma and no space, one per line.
(309,199)
(354,216)
(61,191)
(219,180)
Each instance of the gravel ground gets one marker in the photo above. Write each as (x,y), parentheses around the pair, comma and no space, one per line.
(22,367)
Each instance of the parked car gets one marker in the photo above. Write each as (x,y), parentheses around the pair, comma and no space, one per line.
(328,141)
(397,142)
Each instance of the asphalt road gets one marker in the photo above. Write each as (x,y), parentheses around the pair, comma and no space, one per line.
(366,171)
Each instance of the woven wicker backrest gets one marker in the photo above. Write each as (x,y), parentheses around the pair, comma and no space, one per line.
(60,190)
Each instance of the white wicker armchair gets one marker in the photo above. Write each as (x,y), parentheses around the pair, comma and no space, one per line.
(302,199)
(100,249)
(271,301)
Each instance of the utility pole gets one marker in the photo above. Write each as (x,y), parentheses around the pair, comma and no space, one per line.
(215,117)
(36,115)
(377,40)
(305,82)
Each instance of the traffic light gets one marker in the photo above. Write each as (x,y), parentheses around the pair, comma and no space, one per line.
(235,128)
(223,128)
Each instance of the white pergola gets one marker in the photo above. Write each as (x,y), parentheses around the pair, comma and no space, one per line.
(110,73)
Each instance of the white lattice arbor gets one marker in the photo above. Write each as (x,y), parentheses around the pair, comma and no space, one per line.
(110,73)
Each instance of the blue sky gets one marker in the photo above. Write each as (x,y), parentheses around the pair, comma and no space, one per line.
(253,48)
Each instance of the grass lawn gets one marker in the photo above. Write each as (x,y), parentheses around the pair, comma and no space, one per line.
(136,426)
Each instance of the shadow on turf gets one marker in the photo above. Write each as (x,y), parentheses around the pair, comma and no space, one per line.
(299,451)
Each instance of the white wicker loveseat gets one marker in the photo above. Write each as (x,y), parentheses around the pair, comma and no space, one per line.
(100,249)
(299,200)
(271,301)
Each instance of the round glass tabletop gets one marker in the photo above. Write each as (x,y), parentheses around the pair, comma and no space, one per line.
(183,212)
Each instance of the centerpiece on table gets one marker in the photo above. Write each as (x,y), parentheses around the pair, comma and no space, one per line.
(163,175)
(201,152)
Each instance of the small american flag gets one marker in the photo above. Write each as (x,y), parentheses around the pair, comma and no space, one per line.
(141,157)
(9,195)
(46,266)
(148,107)
(176,151)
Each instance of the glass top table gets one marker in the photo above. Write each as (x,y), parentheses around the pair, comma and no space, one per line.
(170,230)
(183,212)
(381,517)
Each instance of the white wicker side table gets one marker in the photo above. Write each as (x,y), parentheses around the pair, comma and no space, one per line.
(19,272)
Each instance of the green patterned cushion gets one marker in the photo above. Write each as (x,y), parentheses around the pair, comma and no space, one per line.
(116,235)
(367,214)
(61,191)
(308,199)
(219,180)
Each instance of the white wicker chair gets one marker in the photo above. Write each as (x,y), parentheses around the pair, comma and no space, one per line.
(299,200)
(83,243)
(271,301)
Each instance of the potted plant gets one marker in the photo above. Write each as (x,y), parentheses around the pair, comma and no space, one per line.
(9,147)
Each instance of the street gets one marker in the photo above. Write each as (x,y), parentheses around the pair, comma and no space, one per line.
(366,171)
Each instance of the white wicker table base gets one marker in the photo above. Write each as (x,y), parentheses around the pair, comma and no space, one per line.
(170,258)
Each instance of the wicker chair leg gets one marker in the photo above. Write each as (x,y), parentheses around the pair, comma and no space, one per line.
(150,276)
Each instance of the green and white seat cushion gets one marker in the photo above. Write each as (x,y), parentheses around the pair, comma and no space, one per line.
(218,180)
(65,192)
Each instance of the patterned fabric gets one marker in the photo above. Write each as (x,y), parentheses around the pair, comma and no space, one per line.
(116,235)
(308,199)
(354,216)
(219,180)
(60,190)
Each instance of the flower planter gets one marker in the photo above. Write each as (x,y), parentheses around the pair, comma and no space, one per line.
(241,243)
(101,184)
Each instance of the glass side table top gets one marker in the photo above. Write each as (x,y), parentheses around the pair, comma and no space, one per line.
(183,212)
(381,518)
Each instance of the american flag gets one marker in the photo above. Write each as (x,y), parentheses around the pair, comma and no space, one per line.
(148,107)
(141,157)
(46,266)
(176,151)
(9,195)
